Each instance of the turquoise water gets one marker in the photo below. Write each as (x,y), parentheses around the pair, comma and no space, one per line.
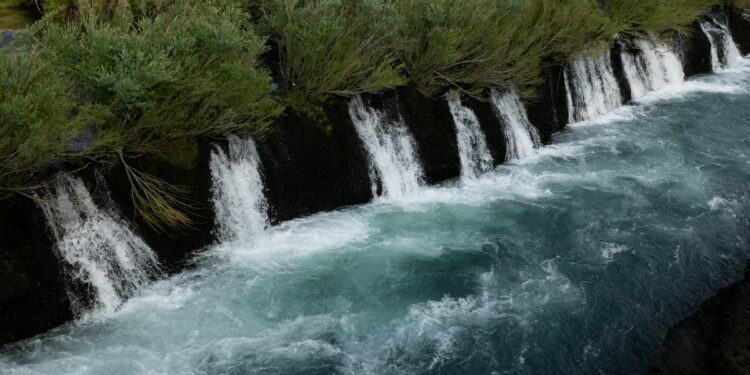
(576,260)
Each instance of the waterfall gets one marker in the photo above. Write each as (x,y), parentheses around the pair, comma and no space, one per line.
(650,66)
(100,253)
(239,203)
(591,87)
(472,147)
(724,51)
(394,164)
(521,137)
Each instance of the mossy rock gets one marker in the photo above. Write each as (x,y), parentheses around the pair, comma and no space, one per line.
(14,17)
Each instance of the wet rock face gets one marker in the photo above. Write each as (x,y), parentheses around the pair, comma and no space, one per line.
(696,51)
(183,164)
(622,46)
(491,127)
(32,293)
(549,110)
(311,165)
(739,24)
(715,339)
(431,125)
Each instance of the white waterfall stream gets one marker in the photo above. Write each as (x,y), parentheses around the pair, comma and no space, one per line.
(392,152)
(591,88)
(724,51)
(521,137)
(238,197)
(473,153)
(98,249)
(651,66)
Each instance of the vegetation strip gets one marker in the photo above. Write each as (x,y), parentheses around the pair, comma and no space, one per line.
(108,81)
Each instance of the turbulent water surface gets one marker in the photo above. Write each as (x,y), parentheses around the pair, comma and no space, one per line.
(575,260)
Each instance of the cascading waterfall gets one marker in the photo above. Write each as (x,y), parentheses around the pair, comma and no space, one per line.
(239,202)
(394,163)
(472,147)
(591,88)
(724,51)
(522,138)
(651,66)
(99,251)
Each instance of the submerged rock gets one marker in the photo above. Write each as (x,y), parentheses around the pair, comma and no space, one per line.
(715,339)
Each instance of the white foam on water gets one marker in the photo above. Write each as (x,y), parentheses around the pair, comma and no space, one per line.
(440,324)
(609,250)
(283,244)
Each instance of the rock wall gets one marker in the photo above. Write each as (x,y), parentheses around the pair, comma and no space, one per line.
(491,126)
(431,125)
(183,164)
(739,23)
(548,111)
(311,166)
(32,293)
(696,51)
(621,46)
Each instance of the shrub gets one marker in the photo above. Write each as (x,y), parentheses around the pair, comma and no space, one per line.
(571,27)
(469,43)
(644,16)
(189,71)
(333,47)
(38,119)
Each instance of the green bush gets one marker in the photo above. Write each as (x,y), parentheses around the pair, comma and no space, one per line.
(188,73)
(571,27)
(123,13)
(468,44)
(333,47)
(38,119)
(648,16)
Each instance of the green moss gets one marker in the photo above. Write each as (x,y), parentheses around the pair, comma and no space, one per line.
(181,153)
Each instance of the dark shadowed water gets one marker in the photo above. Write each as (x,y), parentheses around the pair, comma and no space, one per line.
(576,260)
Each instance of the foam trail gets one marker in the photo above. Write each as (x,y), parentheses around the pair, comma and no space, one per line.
(650,66)
(394,163)
(106,263)
(522,138)
(724,52)
(591,87)
(472,147)
(238,198)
